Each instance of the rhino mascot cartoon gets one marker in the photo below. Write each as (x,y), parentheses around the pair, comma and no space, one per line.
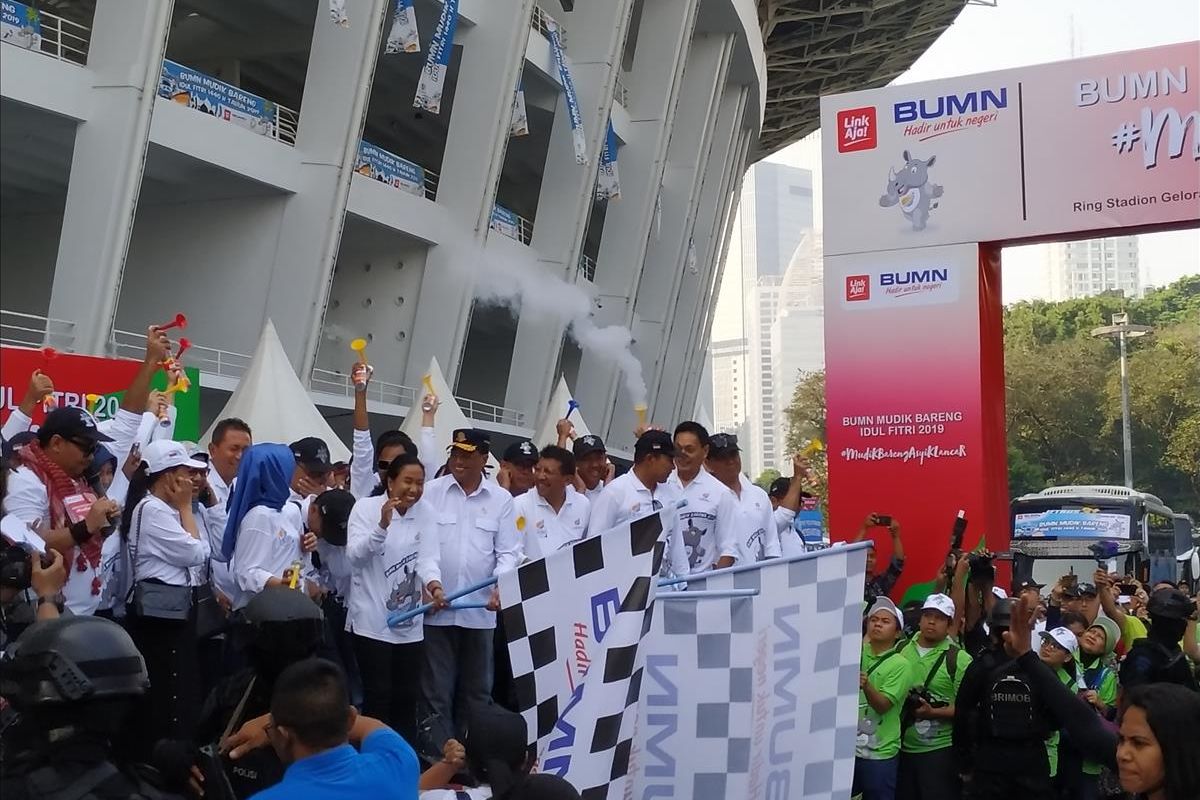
(909,187)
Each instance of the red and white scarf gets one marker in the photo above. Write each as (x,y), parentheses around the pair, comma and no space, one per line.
(60,486)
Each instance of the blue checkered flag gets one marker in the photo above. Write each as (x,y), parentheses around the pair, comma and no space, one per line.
(575,621)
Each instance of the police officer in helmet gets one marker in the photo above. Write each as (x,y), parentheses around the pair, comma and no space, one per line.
(1158,658)
(1001,724)
(74,682)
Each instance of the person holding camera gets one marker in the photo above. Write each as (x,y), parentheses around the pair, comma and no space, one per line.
(882,584)
(927,769)
(25,571)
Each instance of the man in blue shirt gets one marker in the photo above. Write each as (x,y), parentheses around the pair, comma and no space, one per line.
(312,729)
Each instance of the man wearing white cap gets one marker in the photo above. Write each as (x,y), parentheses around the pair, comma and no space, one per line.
(927,766)
(884,681)
(1059,649)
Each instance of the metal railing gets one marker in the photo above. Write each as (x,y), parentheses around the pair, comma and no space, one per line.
(57,37)
(540,23)
(587,266)
(227,364)
(287,122)
(621,92)
(487,412)
(34,330)
(334,382)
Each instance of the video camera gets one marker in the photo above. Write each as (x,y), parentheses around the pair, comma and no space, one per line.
(916,696)
(16,565)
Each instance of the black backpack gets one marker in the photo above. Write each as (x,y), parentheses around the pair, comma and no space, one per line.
(1011,710)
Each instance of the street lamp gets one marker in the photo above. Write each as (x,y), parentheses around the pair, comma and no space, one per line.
(1122,329)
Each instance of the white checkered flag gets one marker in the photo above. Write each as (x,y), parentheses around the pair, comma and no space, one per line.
(581,607)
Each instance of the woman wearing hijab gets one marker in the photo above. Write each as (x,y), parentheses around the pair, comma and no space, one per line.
(262,539)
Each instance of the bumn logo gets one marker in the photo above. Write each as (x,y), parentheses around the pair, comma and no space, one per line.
(858,287)
(857,129)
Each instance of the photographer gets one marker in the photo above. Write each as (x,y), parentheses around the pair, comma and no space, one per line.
(882,584)
(927,766)
(979,599)
(22,573)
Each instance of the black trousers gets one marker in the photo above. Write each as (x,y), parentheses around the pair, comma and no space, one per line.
(929,776)
(171,706)
(391,679)
(338,647)
(1010,786)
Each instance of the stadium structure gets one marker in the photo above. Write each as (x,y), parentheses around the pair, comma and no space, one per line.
(245,160)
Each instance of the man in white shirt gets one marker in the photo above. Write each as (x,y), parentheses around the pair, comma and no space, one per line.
(643,491)
(517,467)
(787,496)
(707,522)
(757,534)
(550,516)
(231,437)
(477,537)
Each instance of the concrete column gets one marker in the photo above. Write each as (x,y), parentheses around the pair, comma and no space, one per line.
(341,67)
(666,256)
(664,38)
(493,52)
(687,305)
(124,62)
(598,33)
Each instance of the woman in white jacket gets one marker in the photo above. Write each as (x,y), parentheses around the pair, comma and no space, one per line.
(392,547)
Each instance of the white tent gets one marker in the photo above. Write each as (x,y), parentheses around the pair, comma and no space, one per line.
(449,417)
(547,432)
(274,403)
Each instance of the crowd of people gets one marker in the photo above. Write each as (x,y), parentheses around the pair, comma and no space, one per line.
(230,621)
(224,613)
(1085,692)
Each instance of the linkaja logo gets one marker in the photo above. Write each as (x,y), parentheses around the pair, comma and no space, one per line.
(910,188)
(858,287)
(857,129)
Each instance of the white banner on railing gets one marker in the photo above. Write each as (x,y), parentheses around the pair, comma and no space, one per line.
(564,75)
(437,62)
(519,126)
(402,36)
(754,697)
(608,182)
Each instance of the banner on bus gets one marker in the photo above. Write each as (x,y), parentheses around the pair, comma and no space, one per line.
(1071,523)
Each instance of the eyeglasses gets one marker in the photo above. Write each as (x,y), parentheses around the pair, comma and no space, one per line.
(88,446)
(382,466)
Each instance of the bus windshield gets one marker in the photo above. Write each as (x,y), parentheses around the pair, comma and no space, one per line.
(1074,518)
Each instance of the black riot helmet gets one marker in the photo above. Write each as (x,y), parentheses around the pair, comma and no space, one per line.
(72,660)
(1169,603)
(282,626)
(1001,616)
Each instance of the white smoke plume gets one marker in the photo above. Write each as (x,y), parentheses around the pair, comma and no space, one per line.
(505,282)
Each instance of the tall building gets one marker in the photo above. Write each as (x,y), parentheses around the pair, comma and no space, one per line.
(776,212)
(240,161)
(797,334)
(1092,266)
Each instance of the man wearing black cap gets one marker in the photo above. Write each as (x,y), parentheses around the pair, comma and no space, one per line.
(756,533)
(516,467)
(642,491)
(47,489)
(787,496)
(592,467)
(1158,657)
(478,539)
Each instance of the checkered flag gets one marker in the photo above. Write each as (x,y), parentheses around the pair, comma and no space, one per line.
(575,621)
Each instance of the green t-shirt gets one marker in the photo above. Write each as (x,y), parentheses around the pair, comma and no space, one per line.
(1106,689)
(1132,629)
(879,734)
(1052,742)
(927,735)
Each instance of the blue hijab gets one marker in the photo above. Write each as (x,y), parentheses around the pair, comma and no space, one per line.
(264,478)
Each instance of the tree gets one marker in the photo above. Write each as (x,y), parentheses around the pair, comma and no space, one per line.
(767,477)
(805,415)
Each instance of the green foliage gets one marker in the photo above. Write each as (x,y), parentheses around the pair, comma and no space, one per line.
(806,413)
(767,477)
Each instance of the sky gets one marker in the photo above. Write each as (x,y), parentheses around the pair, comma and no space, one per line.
(1018,33)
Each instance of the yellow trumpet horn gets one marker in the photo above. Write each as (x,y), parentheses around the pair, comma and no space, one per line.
(640,409)
(427,382)
(359,346)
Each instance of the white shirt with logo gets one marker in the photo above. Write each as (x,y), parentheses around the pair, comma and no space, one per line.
(708,522)
(757,532)
(543,530)
(625,499)
(389,568)
(477,537)
(268,543)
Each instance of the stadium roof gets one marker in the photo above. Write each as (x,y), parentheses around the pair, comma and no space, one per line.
(819,47)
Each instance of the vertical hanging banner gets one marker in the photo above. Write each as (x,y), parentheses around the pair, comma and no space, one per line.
(754,697)
(608,182)
(519,126)
(564,75)
(402,36)
(437,63)
(337,13)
